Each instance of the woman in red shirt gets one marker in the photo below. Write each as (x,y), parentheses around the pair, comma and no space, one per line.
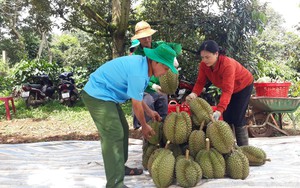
(235,82)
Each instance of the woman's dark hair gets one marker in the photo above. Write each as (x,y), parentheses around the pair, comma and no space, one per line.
(211,46)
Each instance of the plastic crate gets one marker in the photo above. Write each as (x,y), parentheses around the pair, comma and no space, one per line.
(272,89)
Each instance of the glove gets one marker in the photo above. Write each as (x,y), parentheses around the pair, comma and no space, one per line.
(176,64)
(191,96)
(216,115)
(156,88)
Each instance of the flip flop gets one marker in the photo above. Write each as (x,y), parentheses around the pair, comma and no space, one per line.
(132,171)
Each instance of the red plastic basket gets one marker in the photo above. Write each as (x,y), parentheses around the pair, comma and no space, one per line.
(270,89)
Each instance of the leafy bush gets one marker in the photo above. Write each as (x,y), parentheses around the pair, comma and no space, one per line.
(24,71)
(280,71)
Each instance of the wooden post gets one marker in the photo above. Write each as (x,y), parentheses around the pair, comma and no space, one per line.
(4,56)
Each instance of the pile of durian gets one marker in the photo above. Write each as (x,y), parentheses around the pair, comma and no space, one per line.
(187,148)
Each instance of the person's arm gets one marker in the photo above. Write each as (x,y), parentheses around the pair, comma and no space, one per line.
(138,109)
(153,80)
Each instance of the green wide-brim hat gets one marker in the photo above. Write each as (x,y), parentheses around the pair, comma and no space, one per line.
(134,43)
(163,54)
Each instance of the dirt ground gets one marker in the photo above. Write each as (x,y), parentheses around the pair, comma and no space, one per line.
(32,130)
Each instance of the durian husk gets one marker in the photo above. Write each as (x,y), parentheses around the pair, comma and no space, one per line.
(169,82)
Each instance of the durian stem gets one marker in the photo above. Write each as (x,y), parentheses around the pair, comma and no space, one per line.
(202,125)
(177,109)
(212,118)
(207,144)
(167,144)
(187,154)
(267,160)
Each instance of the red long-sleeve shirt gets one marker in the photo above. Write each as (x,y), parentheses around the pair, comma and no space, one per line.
(228,74)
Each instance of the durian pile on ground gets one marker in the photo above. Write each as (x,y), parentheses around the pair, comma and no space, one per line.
(187,148)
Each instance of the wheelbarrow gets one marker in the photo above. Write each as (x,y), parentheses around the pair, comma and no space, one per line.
(263,110)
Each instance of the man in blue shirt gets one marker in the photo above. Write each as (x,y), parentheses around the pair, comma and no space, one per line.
(113,83)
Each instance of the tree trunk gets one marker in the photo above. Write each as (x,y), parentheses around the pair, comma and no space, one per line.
(120,17)
(43,41)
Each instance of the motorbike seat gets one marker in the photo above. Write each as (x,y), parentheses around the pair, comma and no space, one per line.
(37,86)
(67,82)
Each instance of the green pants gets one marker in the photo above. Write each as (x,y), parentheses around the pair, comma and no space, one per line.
(113,131)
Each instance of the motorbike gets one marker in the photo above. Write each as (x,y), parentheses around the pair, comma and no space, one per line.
(39,91)
(68,93)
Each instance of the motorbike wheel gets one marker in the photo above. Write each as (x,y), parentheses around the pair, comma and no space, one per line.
(264,131)
(30,101)
(71,100)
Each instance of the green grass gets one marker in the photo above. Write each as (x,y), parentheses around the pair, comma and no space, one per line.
(56,111)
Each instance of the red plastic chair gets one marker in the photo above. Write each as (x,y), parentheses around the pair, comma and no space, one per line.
(6,103)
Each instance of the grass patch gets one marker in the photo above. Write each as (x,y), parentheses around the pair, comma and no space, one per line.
(51,121)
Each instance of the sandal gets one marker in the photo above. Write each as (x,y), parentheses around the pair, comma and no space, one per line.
(132,171)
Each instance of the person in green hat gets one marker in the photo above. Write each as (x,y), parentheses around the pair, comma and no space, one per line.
(152,97)
(115,82)
(134,44)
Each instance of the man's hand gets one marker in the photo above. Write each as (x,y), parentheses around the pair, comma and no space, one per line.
(147,131)
(154,115)
(216,115)
(191,96)
(156,88)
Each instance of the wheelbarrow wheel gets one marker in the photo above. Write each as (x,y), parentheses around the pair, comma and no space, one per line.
(256,130)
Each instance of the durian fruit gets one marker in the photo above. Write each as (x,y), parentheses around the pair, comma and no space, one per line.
(255,155)
(188,172)
(162,168)
(196,141)
(211,162)
(152,157)
(177,127)
(169,82)
(148,149)
(221,136)
(237,165)
(201,110)
(195,120)
(176,149)
(156,126)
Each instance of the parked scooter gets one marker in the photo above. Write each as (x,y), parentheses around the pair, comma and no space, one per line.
(39,91)
(68,93)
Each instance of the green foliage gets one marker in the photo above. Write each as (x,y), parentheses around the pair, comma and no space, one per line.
(24,71)
(230,23)
(280,72)
(5,86)
(278,53)
(13,51)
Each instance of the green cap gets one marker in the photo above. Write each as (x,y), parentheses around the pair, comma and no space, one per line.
(134,43)
(163,54)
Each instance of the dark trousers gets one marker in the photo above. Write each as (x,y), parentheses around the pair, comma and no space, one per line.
(237,107)
(157,102)
(113,131)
